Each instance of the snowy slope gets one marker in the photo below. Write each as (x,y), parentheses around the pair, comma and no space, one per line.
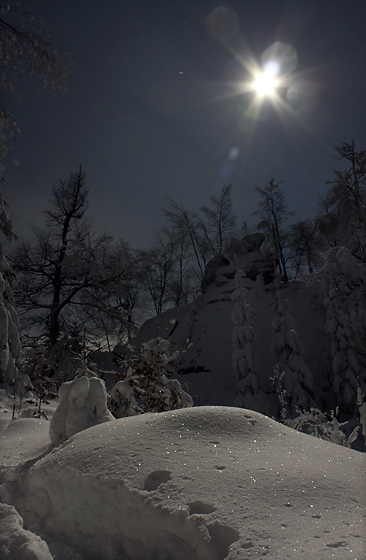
(204,483)
(23,440)
(203,332)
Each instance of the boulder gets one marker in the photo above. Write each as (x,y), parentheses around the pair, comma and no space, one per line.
(238,247)
(210,271)
(256,263)
(254,241)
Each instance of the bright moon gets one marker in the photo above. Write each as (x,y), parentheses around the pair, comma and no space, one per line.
(265,84)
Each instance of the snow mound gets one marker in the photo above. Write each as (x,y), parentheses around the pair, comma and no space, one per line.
(203,483)
(17,543)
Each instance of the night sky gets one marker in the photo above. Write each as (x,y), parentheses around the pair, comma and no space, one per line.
(157,106)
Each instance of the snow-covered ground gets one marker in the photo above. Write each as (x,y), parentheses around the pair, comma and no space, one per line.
(205,483)
(211,482)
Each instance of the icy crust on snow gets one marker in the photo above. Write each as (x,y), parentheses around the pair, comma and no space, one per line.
(204,483)
(17,543)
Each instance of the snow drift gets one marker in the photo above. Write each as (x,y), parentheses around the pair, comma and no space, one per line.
(17,543)
(204,483)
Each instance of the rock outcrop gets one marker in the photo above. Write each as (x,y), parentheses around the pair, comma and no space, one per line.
(242,254)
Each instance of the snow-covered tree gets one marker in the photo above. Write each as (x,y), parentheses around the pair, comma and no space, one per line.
(344,285)
(287,348)
(343,277)
(319,424)
(9,335)
(83,403)
(249,392)
(147,385)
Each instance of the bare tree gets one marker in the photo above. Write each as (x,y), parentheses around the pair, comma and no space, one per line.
(304,246)
(273,211)
(218,223)
(183,281)
(187,223)
(346,198)
(111,308)
(69,205)
(66,258)
(157,271)
(206,230)
(327,224)
(26,48)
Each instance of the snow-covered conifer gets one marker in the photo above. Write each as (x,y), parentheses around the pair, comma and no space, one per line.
(147,385)
(249,392)
(288,350)
(319,424)
(344,279)
(344,288)
(260,285)
(9,335)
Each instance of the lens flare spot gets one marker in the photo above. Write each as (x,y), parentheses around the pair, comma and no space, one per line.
(234,153)
(222,24)
(281,54)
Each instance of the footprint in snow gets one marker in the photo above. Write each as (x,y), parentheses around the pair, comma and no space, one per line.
(155,479)
(200,507)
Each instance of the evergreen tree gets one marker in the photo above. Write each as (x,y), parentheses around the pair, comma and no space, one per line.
(147,385)
(344,275)
(297,379)
(344,285)
(9,337)
(250,394)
